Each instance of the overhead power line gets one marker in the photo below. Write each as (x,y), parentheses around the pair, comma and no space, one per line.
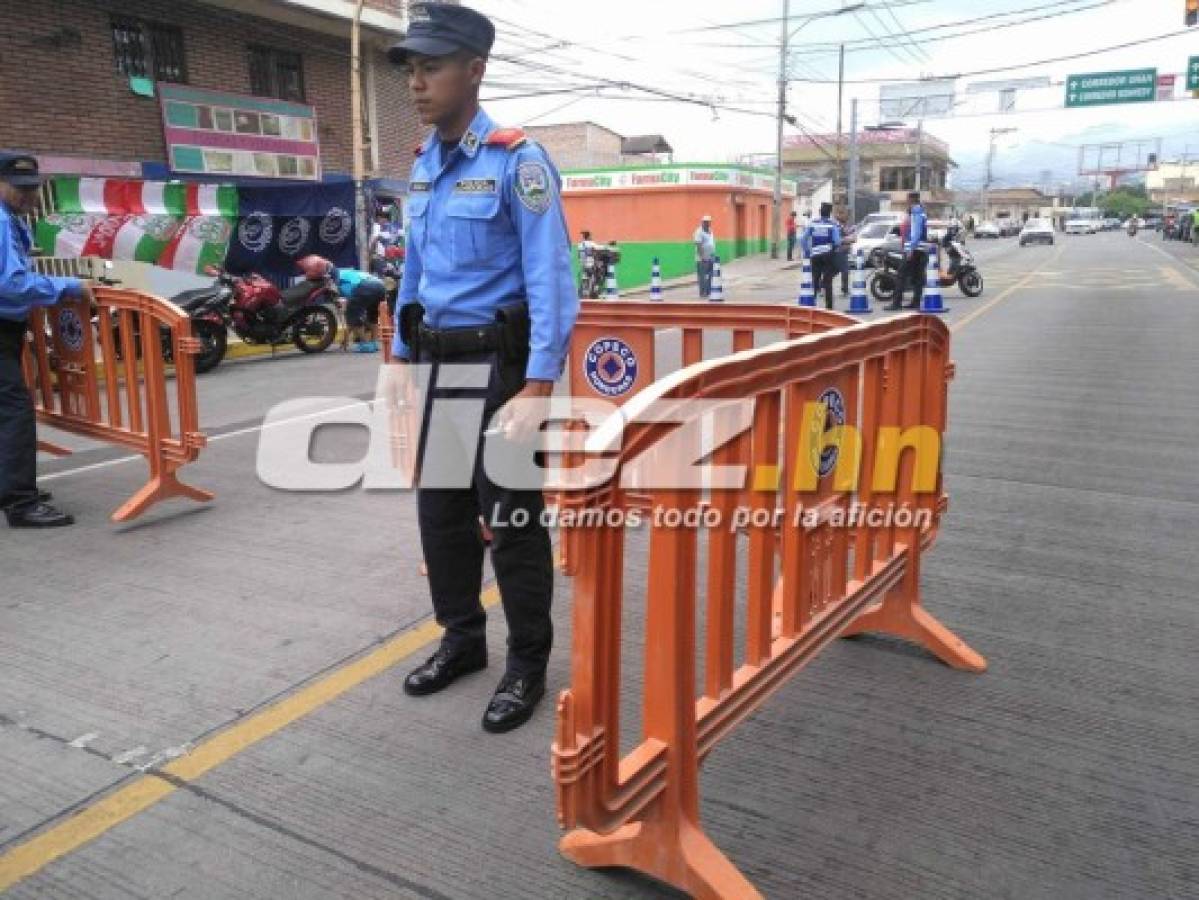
(1011,68)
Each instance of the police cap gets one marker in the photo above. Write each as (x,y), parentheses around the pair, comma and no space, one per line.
(19,169)
(439,29)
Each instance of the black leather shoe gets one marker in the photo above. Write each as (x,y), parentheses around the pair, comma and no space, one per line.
(513,703)
(442,669)
(38,515)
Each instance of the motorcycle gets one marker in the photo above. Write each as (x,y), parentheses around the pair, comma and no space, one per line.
(1132,228)
(595,276)
(304,314)
(962,271)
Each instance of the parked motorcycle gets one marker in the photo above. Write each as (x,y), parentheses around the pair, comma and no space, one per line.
(594,277)
(304,314)
(962,271)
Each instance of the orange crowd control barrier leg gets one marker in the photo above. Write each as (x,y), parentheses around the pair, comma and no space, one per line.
(107,379)
(843,446)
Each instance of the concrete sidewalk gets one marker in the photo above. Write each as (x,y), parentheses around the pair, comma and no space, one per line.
(759,265)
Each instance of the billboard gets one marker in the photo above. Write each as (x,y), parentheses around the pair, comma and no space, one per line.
(916,99)
(217,133)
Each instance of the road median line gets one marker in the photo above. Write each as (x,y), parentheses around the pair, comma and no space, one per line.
(1007,292)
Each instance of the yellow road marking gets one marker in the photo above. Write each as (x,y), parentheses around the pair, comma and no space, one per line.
(963,322)
(86,825)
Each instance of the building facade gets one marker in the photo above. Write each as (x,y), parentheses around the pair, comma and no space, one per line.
(81,78)
(887,164)
(652,212)
(1018,204)
(1172,183)
(586,145)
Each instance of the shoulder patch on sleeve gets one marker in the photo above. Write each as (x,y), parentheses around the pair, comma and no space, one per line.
(509,138)
(534,185)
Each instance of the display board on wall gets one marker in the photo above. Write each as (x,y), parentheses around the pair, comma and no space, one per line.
(217,133)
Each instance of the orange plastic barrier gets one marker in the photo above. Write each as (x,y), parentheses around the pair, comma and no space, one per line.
(881,382)
(110,384)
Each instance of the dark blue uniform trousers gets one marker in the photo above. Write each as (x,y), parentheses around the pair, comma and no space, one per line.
(18,430)
(451,538)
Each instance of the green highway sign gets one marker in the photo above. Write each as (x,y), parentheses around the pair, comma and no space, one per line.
(1101,88)
(1193,74)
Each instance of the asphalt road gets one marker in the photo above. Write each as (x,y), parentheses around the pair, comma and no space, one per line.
(259,643)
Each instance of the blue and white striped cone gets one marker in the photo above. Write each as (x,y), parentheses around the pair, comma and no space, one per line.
(655,281)
(611,291)
(807,295)
(716,295)
(932,287)
(859,303)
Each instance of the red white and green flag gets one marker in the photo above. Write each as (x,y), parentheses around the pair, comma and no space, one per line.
(210,212)
(171,224)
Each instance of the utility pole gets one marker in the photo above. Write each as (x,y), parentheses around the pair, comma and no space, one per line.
(919,151)
(853,161)
(839,178)
(776,210)
(995,132)
(360,228)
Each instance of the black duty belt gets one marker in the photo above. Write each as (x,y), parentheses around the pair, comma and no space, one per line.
(444,343)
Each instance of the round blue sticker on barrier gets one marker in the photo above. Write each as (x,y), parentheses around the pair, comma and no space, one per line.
(70,329)
(834,416)
(610,366)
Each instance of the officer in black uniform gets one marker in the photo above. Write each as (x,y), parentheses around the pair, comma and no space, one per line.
(487,280)
(22,289)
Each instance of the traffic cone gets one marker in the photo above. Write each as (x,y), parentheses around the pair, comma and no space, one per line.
(859,303)
(932,286)
(717,293)
(611,292)
(655,281)
(807,295)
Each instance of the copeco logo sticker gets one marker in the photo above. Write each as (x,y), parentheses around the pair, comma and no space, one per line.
(335,226)
(294,235)
(255,231)
(834,416)
(610,366)
(70,329)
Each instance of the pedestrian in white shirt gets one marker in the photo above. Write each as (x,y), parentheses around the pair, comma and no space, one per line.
(705,255)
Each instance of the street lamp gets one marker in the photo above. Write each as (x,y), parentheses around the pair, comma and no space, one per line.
(776,214)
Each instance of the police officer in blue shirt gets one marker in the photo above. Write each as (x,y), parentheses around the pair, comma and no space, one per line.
(487,278)
(914,234)
(21,290)
(820,241)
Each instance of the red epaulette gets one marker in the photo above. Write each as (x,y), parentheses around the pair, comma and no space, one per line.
(418,149)
(511,138)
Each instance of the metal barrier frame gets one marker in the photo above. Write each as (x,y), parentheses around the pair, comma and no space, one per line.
(642,810)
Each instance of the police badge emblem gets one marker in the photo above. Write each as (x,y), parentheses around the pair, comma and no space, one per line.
(533,186)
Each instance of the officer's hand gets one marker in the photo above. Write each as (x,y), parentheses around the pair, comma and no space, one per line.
(395,389)
(521,418)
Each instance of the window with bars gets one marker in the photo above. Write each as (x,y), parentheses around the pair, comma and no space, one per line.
(276,73)
(149,50)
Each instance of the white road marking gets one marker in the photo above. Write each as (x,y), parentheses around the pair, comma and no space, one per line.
(83,740)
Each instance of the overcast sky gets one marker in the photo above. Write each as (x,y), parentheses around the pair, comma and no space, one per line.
(585,47)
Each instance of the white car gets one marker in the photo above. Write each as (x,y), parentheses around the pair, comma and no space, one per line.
(1036,231)
(1082,226)
(986,230)
(874,238)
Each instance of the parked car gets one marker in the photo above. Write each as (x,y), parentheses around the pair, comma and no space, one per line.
(1008,227)
(1082,226)
(874,239)
(986,230)
(1036,231)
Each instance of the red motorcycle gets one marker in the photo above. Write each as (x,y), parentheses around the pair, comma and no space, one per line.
(304,314)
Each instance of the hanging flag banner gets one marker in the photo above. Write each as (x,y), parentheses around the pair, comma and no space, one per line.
(276,226)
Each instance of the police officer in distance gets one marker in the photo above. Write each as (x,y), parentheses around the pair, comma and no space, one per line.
(821,238)
(486,230)
(22,289)
(913,235)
